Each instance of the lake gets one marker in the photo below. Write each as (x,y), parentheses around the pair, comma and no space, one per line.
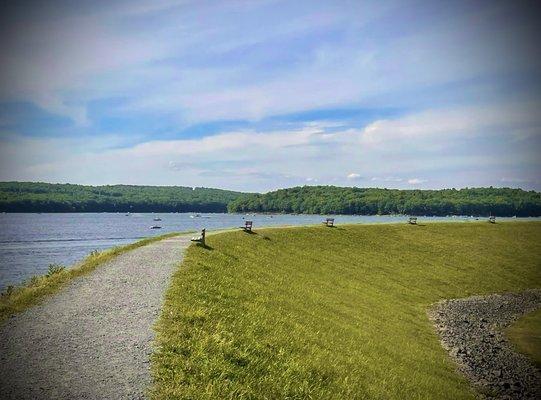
(30,242)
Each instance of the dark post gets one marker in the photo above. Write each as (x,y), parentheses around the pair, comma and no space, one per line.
(203,237)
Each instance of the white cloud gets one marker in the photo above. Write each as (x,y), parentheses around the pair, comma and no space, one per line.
(225,60)
(58,60)
(434,129)
(253,160)
(513,180)
(386,179)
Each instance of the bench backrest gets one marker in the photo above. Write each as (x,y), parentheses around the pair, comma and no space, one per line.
(248,224)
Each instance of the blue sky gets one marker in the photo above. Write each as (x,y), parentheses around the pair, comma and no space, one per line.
(258,95)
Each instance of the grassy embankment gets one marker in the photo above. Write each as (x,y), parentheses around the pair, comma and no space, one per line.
(16,299)
(327,313)
(526,335)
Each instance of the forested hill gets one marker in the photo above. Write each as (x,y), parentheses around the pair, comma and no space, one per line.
(345,200)
(46,197)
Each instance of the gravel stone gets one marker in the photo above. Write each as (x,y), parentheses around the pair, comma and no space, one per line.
(471,329)
(91,340)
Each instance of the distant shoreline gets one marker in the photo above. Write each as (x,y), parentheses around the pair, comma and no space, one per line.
(277,213)
(35,197)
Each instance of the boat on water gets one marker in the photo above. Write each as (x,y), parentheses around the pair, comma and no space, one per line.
(195,216)
(155,227)
(157,219)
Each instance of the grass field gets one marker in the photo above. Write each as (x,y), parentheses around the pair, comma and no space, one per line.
(526,335)
(17,299)
(330,313)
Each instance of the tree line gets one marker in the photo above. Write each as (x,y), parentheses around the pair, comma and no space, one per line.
(46,197)
(372,201)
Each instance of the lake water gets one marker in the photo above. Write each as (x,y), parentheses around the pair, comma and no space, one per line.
(30,242)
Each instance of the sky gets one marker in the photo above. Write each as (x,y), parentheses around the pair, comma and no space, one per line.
(260,95)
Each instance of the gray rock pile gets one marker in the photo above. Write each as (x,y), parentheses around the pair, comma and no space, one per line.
(471,330)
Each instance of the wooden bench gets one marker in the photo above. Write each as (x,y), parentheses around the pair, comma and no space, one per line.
(200,239)
(247,226)
(329,222)
(412,220)
(492,219)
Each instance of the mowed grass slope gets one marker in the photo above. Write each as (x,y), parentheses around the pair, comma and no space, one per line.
(330,313)
(526,335)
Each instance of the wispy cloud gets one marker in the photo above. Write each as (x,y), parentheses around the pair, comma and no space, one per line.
(416,181)
(386,179)
(255,160)
(140,83)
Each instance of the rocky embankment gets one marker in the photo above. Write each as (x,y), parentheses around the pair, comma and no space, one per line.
(471,330)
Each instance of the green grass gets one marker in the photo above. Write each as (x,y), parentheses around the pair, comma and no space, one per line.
(320,313)
(525,334)
(17,299)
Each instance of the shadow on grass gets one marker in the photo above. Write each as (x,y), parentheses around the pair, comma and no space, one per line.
(338,228)
(205,246)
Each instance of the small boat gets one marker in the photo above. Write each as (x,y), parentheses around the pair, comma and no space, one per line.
(155,227)
(127,214)
(195,216)
(157,219)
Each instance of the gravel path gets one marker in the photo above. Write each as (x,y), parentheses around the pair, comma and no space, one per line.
(91,340)
(471,330)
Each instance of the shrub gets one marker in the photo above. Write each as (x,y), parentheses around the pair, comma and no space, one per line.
(9,290)
(54,269)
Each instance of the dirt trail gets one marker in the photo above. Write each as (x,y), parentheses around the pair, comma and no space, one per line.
(92,340)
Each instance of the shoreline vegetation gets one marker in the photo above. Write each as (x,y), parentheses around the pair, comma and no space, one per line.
(18,298)
(499,202)
(46,197)
(330,313)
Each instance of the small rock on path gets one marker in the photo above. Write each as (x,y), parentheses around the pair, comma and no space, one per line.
(92,340)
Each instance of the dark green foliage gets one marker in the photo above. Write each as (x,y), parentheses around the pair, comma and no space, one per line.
(370,201)
(46,197)
(54,269)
